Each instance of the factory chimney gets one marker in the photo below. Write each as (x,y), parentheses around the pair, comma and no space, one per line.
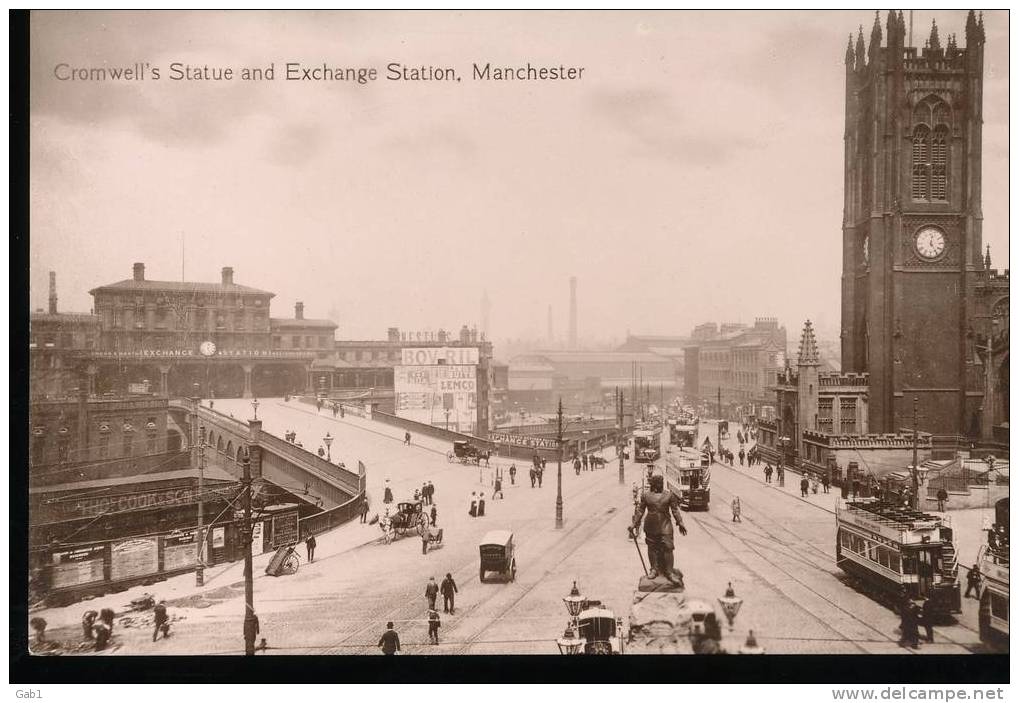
(53,292)
(573,312)
(299,310)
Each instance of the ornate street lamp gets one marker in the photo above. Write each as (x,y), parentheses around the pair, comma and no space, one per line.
(730,604)
(574,602)
(751,646)
(569,643)
(254,406)
(328,439)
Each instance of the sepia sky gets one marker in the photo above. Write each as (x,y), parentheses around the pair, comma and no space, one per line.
(695,172)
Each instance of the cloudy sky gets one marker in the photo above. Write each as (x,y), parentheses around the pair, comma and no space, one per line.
(694,173)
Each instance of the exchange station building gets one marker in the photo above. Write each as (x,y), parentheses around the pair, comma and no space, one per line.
(182,338)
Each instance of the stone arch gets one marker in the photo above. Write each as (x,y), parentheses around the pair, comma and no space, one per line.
(219,443)
(239,456)
(229,448)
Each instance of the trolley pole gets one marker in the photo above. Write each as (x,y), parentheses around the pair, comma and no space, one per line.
(250,620)
(914,471)
(559,471)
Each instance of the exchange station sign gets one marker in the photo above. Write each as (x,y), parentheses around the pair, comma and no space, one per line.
(518,440)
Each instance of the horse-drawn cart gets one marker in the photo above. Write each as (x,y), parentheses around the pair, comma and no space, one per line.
(466,453)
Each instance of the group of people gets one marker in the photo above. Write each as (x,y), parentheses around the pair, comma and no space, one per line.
(477,506)
(426,493)
(912,615)
(584,462)
(389,642)
(291,437)
(537,470)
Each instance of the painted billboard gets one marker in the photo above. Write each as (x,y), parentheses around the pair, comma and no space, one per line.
(432,390)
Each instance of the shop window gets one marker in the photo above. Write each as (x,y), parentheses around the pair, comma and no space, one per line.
(296,341)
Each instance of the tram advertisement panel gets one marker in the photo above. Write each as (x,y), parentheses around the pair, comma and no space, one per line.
(77,567)
(135,557)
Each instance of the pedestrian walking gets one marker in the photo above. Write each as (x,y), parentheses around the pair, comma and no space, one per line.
(576,466)
(497,493)
(473,509)
(390,641)
(942,497)
(433,515)
(364,510)
(406,438)
(767,473)
(973,581)
(434,623)
(513,474)
(736,509)
(309,544)
(431,592)
(481,505)
(928,618)
(534,476)
(541,472)
(908,629)
(813,485)
(825,482)
(804,486)
(584,461)
(426,536)
(161,621)
(449,591)
(742,457)
(781,476)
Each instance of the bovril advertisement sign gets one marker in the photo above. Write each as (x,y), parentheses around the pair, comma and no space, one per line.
(434,356)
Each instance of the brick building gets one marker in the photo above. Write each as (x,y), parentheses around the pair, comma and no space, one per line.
(737,360)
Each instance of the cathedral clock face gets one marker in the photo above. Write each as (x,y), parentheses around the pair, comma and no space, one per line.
(207,348)
(930,243)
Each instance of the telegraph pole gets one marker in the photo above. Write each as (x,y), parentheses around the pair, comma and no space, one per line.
(200,534)
(622,433)
(719,425)
(914,472)
(250,621)
(559,473)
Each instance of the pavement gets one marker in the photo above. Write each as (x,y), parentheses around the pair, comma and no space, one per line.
(780,560)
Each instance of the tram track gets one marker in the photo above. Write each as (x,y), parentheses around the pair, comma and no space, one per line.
(467,574)
(829,564)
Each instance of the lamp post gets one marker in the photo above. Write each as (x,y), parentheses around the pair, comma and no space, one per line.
(254,406)
(731,604)
(559,471)
(571,642)
(328,439)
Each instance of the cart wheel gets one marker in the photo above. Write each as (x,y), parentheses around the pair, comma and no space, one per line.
(291,564)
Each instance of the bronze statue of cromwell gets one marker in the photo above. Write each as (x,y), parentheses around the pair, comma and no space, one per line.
(659,502)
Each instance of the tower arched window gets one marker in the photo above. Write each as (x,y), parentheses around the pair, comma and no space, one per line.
(921,187)
(939,163)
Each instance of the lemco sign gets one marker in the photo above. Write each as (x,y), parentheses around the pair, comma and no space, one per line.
(432,356)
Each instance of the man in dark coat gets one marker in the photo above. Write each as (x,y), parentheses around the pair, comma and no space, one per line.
(541,473)
(449,591)
(433,626)
(585,462)
(481,505)
(310,543)
(431,592)
(973,581)
(804,486)
(513,474)
(534,476)
(390,641)
(161,621)
(364,510)
(942,497)
(433,515)
(576,465)
(659,502)
(928,618)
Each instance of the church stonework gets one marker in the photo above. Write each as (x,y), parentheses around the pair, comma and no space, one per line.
(914,281)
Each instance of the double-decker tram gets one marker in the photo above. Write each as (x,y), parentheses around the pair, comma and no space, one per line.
(888,548)
(992,560)
(647,445)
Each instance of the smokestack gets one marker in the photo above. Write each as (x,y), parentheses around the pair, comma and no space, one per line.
(139,272)
(228,276)
(573,312)
(299,310)
(485,309)
(53,292)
